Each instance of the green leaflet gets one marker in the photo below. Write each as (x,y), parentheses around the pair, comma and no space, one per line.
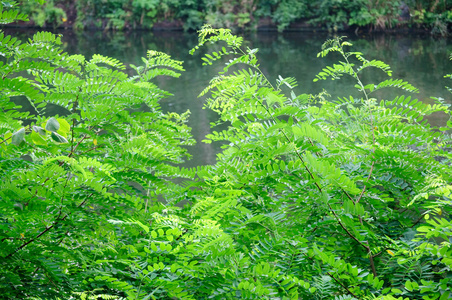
(331,173)
(18,137)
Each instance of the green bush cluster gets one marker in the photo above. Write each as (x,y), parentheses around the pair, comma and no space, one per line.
(246,14)
(309,199)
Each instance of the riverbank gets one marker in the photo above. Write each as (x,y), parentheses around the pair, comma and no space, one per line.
(244,15)
(264,25)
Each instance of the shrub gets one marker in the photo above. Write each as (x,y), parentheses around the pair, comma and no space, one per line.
(348,199)
(66,179)
(345,195)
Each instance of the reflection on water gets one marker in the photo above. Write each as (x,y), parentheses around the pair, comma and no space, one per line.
(419,59)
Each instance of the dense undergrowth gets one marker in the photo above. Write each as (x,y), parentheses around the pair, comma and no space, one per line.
(434,16)
(309,199)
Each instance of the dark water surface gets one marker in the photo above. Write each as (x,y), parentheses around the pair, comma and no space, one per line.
(419,59)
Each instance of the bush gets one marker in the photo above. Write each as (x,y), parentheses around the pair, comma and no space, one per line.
(47,15)
(340,192)
(67,180)
(309,199)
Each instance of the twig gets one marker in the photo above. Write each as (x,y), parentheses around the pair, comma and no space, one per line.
(372,264)
(28,127)
(335,279)
(346,230)
(58,220)
(350,292)
(76,146)
(346,194)
(62,196)
(368,177)
(57,244)
(94,148)
(369,252)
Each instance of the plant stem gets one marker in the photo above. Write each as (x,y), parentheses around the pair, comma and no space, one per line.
(47,229)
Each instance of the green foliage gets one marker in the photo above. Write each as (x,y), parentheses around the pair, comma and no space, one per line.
(379,15)
(8,13)
(335,14)
(338,188)
(244,14)
(309,199)
(64,178)
(47,15)
(285,12)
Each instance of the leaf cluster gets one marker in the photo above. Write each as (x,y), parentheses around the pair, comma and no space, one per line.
(65,176)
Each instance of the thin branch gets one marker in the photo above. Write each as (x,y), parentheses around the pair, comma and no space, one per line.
(367,247)
(5,140)
(57,244)
(291,142)
(94,148)
(346,230)
(380,253)
(346,194)
(372,264)
(72,135)
(26,128)
(58,220)
(418,220)
(335,279)
(368,177)
(76,146)
(62,196)
(350,292)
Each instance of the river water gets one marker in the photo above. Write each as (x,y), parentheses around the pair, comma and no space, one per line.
(421,60)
